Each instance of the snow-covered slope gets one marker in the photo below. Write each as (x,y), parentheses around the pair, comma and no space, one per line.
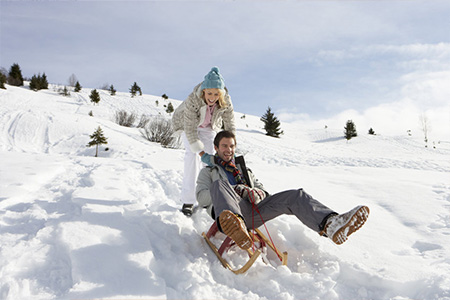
(77,227)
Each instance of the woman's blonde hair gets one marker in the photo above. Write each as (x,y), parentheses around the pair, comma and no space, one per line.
(222,102)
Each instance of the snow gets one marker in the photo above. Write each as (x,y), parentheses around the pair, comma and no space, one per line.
(75,226)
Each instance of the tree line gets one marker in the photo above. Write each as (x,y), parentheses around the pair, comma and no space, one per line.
(38,82)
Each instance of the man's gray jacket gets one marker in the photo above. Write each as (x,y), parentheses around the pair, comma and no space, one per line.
(210,174)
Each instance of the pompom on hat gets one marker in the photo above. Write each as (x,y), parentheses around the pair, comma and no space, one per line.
(213,80)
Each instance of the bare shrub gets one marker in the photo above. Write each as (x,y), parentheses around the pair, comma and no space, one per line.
(124,118)
(159,130)
(72,80)
(143,121)
(104,87)
(426,128)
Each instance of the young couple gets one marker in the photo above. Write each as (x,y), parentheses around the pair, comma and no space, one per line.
(227,189)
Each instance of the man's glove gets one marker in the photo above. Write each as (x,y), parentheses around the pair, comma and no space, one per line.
(254,195)
(206,158)
(241,190)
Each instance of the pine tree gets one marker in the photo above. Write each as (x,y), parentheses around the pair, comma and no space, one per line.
(95,96)
(2,81)
(44,82)
(112,90)
(38,82)
(97,139)
(169,108)
(134,89)
(34,83)
(77,87)
(271,124)
(350,130)
(15,76)
(65,92)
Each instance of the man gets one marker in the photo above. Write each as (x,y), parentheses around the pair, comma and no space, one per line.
(227,190)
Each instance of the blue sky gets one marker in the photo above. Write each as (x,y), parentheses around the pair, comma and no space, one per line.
(309,59)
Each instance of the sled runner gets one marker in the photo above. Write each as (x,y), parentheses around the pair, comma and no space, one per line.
(259,239)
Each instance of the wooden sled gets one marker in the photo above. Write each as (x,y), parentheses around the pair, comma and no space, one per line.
(259,239)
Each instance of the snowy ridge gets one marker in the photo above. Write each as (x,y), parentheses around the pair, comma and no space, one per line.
(77,227)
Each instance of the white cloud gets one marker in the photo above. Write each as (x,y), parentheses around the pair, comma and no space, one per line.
(408,52)
(427,89)
(421,93)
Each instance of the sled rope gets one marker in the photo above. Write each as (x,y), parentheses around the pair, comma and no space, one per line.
(251,196)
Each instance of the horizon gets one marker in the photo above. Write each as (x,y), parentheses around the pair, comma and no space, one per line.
(409,122)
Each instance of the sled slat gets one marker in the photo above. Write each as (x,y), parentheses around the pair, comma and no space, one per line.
(283,255)
(243,269)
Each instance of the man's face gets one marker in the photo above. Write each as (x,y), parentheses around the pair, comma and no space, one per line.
(226,149)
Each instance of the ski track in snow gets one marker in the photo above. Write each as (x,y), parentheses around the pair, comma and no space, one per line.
(77,227)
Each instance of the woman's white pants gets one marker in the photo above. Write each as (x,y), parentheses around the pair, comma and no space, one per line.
(193,164)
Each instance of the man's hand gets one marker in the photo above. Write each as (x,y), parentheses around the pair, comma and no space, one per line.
(254,195)
(241,190)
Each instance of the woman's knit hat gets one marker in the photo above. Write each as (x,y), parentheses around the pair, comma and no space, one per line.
(213,80)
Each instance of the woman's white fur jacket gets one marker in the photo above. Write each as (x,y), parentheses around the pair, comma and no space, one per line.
(191,114)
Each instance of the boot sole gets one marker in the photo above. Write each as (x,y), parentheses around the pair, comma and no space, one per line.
(231,226)
(188,211)
(353,224)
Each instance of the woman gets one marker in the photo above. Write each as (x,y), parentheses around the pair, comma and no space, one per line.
(206,111)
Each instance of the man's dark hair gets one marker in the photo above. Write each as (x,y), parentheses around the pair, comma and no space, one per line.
(223,134)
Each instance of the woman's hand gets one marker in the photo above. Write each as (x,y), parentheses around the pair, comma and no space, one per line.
(206,158)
